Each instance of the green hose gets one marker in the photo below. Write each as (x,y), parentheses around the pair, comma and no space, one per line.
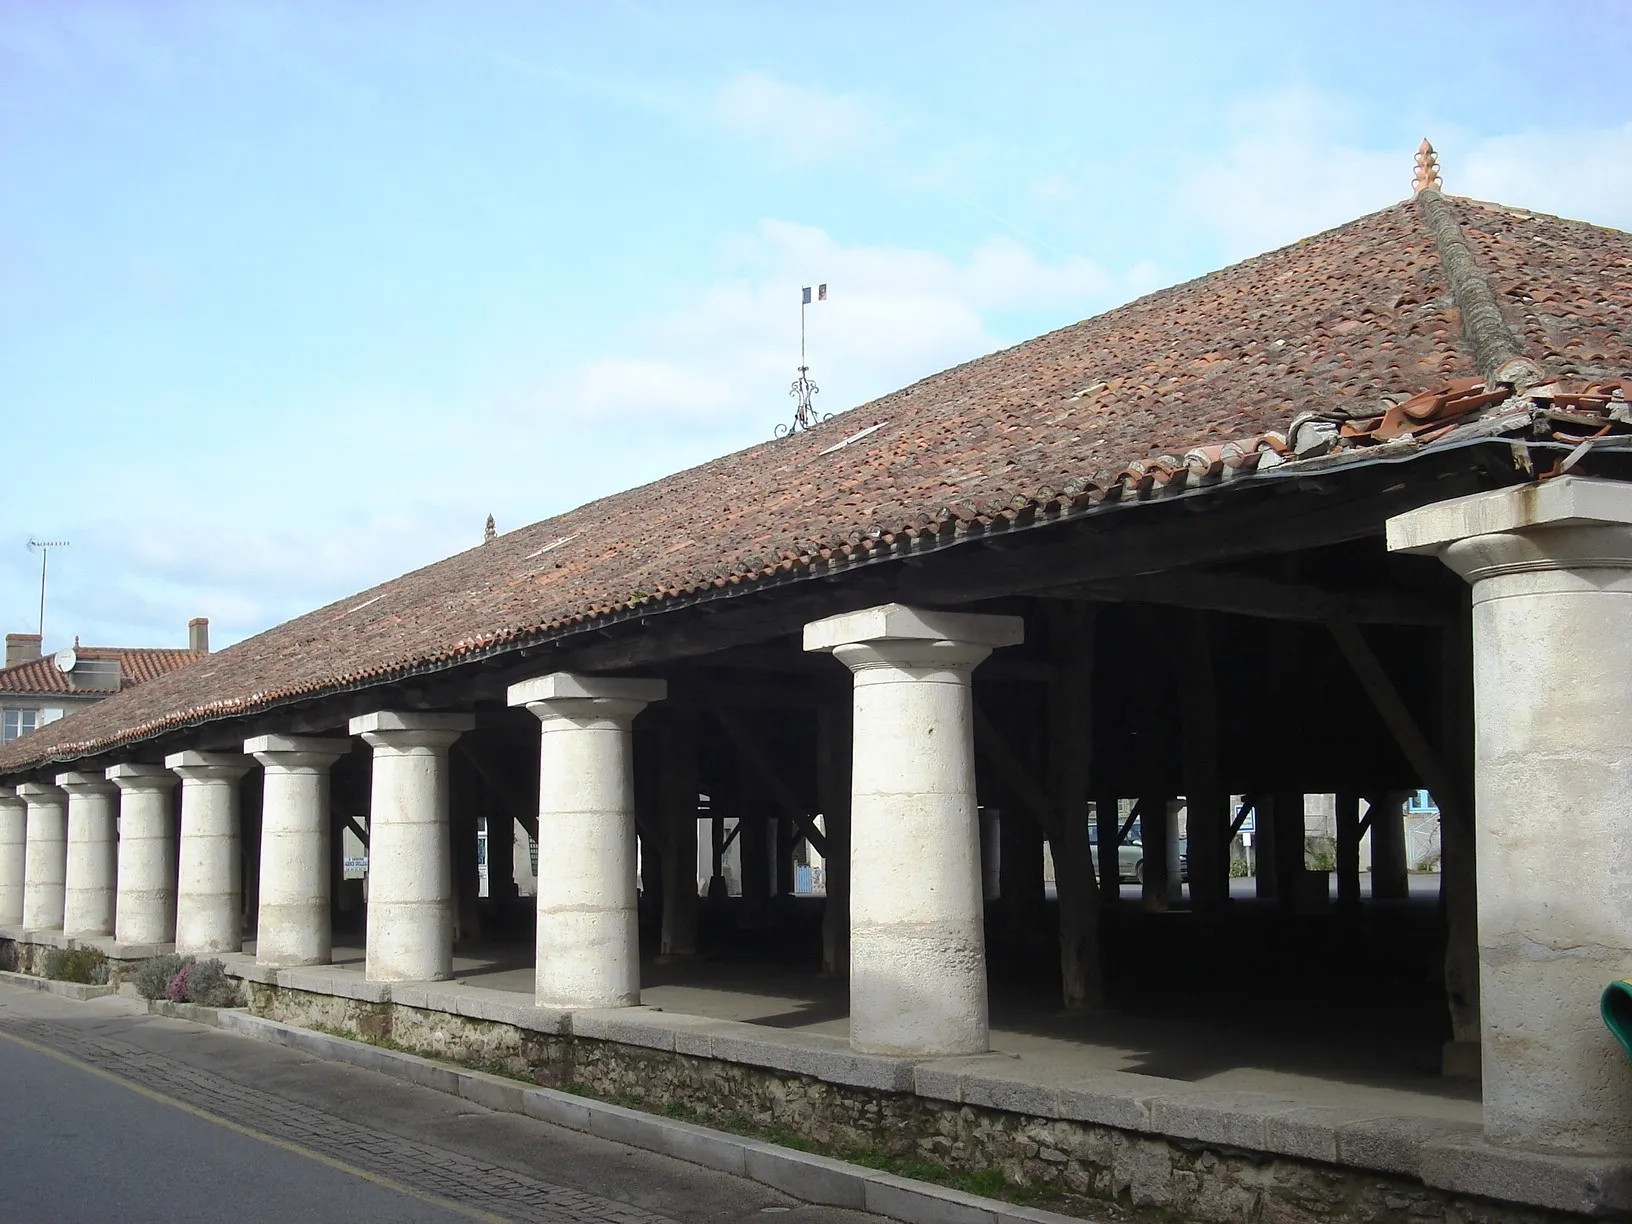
(1616,1008)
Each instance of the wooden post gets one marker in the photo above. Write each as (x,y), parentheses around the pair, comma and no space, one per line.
(1348,849)
(1070,745)
(249,807)
(1108,822)
(677,810)
(753,829)
(787,836)
(1208,806)
(1288,847)
(501,851)
(1265,876)
(1156,888)
(1389,881)
(464,789)
(1458,889)
(833,749)
(1020,868)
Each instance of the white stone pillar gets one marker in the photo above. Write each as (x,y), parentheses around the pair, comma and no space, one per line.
(93,850)
(917,949)
(588,941)
(46,856)
(13,855)
(410,863)
(1551,569)
(147,855)
(210,883)
(293,925)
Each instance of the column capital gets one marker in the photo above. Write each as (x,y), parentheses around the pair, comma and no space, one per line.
(394,731)
(899,623)
(85,784)
(39,791)
(895,635)
(296,751)
(1565,502)
(208,766)
(129,777)
(566,695)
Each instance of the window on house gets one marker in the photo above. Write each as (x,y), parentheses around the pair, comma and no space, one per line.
(17,722)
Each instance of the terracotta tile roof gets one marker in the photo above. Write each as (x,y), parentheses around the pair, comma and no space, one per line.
(136,665)
(1186,386)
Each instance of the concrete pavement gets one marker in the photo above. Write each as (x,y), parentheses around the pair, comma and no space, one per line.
(109,1109)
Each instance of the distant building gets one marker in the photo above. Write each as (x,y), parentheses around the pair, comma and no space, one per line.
(36,690)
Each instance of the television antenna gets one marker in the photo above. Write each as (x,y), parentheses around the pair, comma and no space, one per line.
(803,390)
(44,547)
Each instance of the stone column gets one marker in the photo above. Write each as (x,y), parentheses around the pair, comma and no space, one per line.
(410,852)
(88,895)
(293,925)
(46,856)
(917,950)
(588,940)
(147,855)
(13,855)
(209,893)
(1551,569)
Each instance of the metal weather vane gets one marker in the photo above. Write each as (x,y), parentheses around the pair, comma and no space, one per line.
(803,389)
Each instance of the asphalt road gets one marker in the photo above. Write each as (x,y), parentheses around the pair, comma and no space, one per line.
(106,1112)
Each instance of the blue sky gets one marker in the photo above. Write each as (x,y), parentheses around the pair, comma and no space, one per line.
(296,294)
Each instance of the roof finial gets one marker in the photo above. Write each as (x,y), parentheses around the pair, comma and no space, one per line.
(1427,174)
(490,532)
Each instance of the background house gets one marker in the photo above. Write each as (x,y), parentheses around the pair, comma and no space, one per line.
(36,689)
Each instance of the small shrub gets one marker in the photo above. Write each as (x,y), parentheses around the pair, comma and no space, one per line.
(1238,869)
(1322,860)
(88,966)
(176,988)
(153,978)
(207,984)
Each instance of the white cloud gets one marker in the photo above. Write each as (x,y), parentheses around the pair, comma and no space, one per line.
(801,124)
(893,315)
(1293,167)
(394,480)
(1585,173)
(1286,173)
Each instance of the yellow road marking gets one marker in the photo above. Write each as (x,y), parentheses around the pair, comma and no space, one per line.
(470,1213)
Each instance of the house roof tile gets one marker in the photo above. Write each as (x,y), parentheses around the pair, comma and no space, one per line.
(136,665)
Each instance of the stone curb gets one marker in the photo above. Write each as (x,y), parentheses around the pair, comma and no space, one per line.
(814,1179)
(68,990)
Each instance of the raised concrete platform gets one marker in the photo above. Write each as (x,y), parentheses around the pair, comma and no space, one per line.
(1419,1129)
(1432,1138)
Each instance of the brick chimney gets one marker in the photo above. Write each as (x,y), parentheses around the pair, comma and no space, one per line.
(22,648)
(198,635)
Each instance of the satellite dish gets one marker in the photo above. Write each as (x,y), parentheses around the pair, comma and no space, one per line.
(65,660)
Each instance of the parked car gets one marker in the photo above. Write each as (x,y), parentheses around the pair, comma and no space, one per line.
(1130,855)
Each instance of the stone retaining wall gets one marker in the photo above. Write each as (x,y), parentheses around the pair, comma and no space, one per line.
(1093,1168)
